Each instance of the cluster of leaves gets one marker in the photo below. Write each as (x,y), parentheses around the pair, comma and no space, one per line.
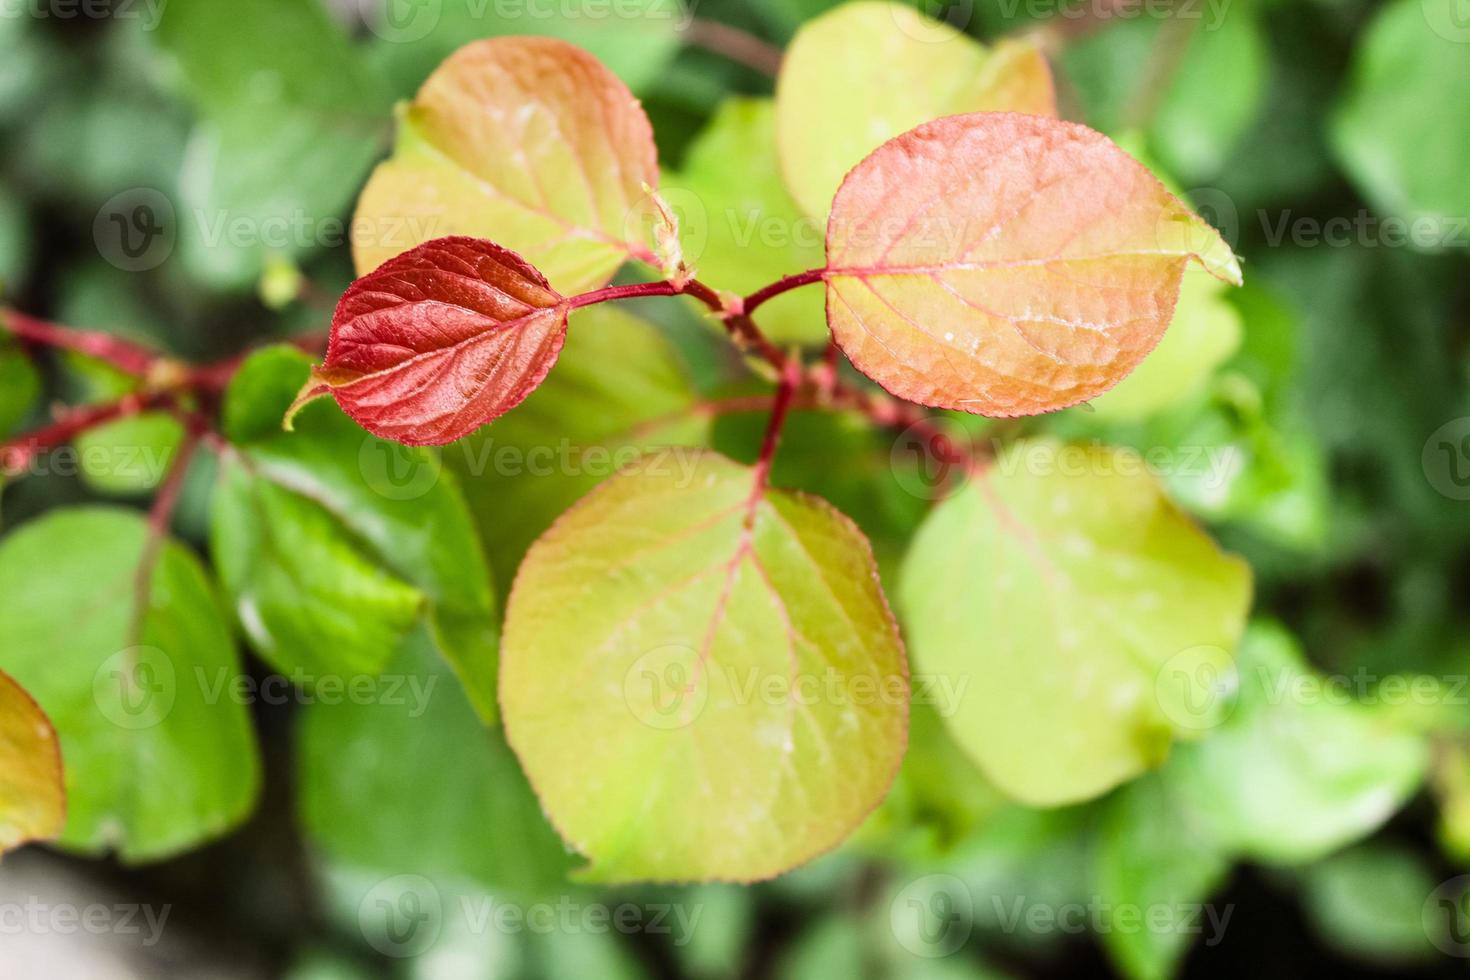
(976,256)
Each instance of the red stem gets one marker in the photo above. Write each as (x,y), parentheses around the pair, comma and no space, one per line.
(128,357)
(735,44)
(17,454)
(782,285)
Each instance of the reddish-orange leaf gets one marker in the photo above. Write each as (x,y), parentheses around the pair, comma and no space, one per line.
(1007,264)
(32,798)
(441,340)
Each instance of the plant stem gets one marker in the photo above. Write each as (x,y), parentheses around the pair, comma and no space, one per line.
(782,285)
(735,44)
(17,455)
(160,516)
(127,357)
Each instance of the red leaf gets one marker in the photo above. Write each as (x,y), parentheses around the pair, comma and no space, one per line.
(441,340)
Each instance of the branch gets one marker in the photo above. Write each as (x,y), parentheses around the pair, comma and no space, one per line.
(735,44)
(17,455)
(126,356)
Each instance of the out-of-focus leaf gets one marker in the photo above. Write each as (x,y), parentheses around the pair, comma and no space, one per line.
(291,118)
(333,544)
(866,72)
(409,781)
(1057,588)
(1153,853)
(32,797)
(636,41)
(740,227)
(20,385)
(1369,902)
(159,757)
(618,390)
(1400,131)
(131,456)
(1294,771)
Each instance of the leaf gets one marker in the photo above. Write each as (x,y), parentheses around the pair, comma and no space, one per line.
(1068,592)
(158,756)
(129,457)
(291,118)
(1007,265)
(411,782)
(20,386)
(1203,334)
(1154,854)
(526,140)
(1369,902)
(635,41)
(619,390)
(740,696)
(32,798)
(441,340)
(1400,129)
(866,72)
(740,222)
(1292,773)
(334,546)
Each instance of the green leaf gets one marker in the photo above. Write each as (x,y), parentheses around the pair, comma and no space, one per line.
(740,227)
(20,386)
(619,390)
(864,73)
(1153,853)
(1401,131)
(291,119)
(1058,587)
(410,782)
(1369,902)
(32,797)
(1205,331)
(129,457)
(702,679)
(333,544)
(636,41)
(1294,771)
(158,757)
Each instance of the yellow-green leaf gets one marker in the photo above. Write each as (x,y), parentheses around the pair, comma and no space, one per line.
(866,72)
(1085,615)
(32,798)
(528,141)
(702,679)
